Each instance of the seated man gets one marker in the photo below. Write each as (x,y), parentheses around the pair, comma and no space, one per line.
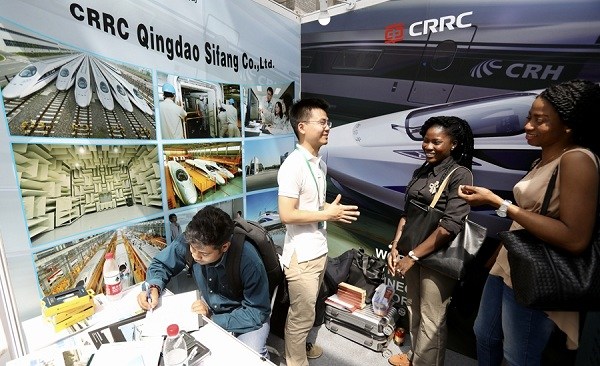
(208,237)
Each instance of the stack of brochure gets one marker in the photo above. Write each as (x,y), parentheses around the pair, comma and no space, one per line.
(68,307)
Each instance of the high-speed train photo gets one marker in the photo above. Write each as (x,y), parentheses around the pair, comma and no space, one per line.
(269,218)
(406,54)
(208,170)
(182,183)
(83,84)
(376,157)
(35,76)
(83,73)
(131,91)
(220,169)
(102,89)
(118,91)
(66,75)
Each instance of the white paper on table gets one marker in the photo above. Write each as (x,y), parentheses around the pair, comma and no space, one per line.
(70,351)
(39,357)
(172,309)
(126,306)
(137,353)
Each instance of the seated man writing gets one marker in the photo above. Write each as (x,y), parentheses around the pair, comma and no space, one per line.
(208,237)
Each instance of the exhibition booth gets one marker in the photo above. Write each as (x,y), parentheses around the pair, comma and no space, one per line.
(91,163)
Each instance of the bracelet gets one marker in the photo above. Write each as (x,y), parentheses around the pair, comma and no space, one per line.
(412,255)
(157,287)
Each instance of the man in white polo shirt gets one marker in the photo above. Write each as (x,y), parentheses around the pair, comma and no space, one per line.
(302,208)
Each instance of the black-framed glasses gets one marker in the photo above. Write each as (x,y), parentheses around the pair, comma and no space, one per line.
(323,122)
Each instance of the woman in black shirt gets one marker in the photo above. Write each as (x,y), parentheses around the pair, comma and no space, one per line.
(447,144)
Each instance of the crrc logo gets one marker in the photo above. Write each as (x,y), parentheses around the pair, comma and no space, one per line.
(394,33)
(435,25)
(517,70)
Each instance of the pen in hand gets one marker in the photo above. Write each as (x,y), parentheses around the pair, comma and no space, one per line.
(149,295)
(150,302)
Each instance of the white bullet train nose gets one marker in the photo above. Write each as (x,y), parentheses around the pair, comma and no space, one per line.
(182,183)
(12,91)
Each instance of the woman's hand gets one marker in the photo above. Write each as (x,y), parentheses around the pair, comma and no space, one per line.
(396,264)
(404,265)
(392,260)
(476,196)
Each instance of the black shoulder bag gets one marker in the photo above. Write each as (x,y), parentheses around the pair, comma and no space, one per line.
(451,259)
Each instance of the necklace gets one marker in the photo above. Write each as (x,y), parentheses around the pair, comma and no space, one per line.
(542,162)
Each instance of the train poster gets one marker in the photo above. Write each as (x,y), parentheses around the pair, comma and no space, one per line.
(92,162)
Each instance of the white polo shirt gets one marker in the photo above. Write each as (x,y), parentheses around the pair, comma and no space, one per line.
(302,176)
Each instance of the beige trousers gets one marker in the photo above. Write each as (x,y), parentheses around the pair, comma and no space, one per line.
(304,280)
(429,293)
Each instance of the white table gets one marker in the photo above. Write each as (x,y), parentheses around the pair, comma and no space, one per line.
(225,348)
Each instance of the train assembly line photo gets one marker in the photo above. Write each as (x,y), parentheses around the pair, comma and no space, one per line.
(79,263)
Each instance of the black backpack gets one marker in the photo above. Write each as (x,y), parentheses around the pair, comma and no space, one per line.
(256,234)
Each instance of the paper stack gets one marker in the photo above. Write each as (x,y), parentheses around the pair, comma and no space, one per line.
(336,302)
(352,295)
(68,307)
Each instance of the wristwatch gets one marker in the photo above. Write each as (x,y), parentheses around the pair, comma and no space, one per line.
(501,211)
(412,255)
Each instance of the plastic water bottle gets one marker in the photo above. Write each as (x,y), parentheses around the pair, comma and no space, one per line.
(174,348)
(112,277)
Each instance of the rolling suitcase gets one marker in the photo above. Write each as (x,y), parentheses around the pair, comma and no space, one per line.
(366,319)
(374,342)
(363,326)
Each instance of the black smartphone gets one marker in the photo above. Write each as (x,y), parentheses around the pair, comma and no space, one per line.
(193,345)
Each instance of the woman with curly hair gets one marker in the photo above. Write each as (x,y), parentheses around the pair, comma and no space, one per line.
(558,122)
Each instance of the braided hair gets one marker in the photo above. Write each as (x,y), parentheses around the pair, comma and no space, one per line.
(460,131)
(577,103)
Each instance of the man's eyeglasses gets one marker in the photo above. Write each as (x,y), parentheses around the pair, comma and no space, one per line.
(323,122)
